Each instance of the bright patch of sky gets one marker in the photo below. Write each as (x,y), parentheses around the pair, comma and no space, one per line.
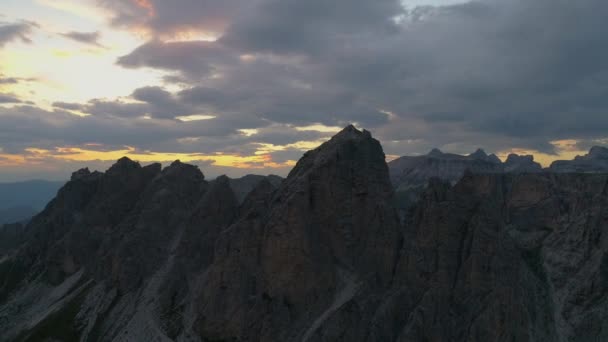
(71,71)
(414,3)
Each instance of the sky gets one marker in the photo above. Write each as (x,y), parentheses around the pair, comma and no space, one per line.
(247,86)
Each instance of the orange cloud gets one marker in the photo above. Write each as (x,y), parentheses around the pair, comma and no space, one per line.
(147,5)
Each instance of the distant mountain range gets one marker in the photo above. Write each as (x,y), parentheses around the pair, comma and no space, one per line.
(502,252)
(20,201)
(411,174)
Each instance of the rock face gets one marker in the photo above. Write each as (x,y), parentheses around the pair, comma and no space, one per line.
(521,164)
(411,175)
(595,161)
(151,254)
(111,257)
(414,172)
(504,258)
(244,185)
(318,251)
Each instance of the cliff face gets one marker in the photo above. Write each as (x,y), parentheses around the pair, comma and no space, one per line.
(408,173)
(145,253)
(328,235)
(594,161)
(505,258)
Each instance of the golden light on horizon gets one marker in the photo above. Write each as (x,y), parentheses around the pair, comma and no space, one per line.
(566,149)
(79,154)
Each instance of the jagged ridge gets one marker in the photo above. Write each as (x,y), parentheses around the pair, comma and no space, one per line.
(145,253)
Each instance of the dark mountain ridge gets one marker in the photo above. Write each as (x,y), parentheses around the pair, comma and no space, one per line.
(146,253)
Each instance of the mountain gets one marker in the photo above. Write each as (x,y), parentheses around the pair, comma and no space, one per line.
(244,185)
(22,200)
(504,257)
(161,254)
(291,266)
(16,214)
(521,164)
(595,161)
(413,171)
(11,236)
(411,174)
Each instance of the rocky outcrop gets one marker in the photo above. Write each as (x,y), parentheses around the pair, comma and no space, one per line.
(595,161)
(410,175)
(415,172)
(521,164)
(290,265)
(503,258)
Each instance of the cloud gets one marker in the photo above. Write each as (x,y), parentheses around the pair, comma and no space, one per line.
(489,73)
(91,38)
(311,27)
(16,31)
(8,80)
(162,18)
(8,98)
(194,60)
(498,74)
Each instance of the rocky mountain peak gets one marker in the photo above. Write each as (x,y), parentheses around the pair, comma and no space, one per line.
(598,152)
(479,154)
(350,132)
(82,173)
(348,146)
(435,153)
(124,165)
(513,158)
(595,161)
(494,159)
(181,170)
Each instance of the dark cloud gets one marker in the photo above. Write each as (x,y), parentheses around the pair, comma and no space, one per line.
(8,80)
(165,17)
(91,38)
(69,106)
(16,31)
(496,74)
(492,73)
(14,80)
(311,27)
(8,98)
(194,60)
